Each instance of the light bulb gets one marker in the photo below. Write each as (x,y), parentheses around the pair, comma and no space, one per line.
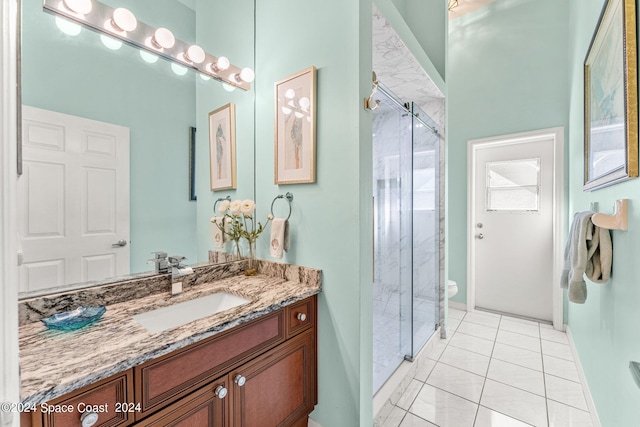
(68,27)
(179,69)
(194,54)
(247,75)
(221,64)
(110,42)
(290,93)
(148,57)
(79,6)
(124,20)
(163,38)
(304,103)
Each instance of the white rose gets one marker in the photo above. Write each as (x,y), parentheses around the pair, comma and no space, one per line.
(234,207)
(223,206)
(247,207)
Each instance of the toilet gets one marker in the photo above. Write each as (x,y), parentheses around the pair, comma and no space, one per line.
(453,288)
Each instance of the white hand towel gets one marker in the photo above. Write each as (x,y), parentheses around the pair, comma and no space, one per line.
(279,237)
(216,233)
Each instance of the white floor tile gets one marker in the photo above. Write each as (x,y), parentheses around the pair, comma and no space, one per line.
(515,403)
(395,417)
(411,420)
(560,368)
(425,366)
(553,335)
(518,356)
(437,351)
(406,400)
(520,327)
(456,381)
(517,376)
(471,343)
(555,349)
(518,340)
(485,319)
(476,330)
(565,391)
(453,324)
(467,360)
(443,409)
(489,418)
(454,313)
(565,416)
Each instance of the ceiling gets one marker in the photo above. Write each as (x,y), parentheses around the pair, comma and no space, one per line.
(466,6)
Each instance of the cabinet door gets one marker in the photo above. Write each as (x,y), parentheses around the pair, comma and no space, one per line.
(207,407)
(276,389)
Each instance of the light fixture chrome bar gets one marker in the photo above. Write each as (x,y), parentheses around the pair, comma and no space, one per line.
(393,99)
(100,19)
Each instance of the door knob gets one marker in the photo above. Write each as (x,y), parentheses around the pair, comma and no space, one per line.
(119,243)
(220,391)
(480,236)
(240,380)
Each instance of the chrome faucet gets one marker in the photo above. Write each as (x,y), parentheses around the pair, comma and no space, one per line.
(161,262)
(177,269)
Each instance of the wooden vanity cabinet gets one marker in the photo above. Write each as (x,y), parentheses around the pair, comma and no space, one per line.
(259,374)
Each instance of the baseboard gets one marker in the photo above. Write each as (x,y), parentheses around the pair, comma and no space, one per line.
(458,305)
(583,380)
(313,423)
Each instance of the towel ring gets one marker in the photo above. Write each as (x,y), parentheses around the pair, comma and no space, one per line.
(219,200)
(289,198)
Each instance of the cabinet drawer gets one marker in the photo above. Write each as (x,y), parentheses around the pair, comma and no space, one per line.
(168,378)
(107,398)
(300,316)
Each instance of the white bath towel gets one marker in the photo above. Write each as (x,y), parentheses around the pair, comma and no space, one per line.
(588,251)
(217,235)
(279,237)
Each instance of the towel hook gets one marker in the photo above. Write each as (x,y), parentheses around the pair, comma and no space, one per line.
(219,200)
(287,196)
(617,221)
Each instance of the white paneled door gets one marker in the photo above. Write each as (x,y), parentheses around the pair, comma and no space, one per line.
(513,212)
(73,197)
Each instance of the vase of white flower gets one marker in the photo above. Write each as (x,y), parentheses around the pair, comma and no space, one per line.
(240,225)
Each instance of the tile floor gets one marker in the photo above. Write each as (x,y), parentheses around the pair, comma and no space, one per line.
(494,371)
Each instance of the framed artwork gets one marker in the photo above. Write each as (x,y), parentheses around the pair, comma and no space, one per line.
(295,128)
(222,147)
(611,98)
(192,164)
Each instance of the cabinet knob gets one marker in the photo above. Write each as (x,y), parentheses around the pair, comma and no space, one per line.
(301,317)
(221,391)
(88,418)
(240,380)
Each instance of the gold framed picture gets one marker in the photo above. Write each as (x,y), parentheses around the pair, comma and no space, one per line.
(611,98)
(295,128)
(222,147)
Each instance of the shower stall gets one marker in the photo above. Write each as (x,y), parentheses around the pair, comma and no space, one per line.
(406,175)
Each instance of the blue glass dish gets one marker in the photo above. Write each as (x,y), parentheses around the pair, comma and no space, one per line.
(74,319)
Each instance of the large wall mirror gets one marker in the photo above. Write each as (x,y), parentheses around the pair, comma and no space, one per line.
(86,97)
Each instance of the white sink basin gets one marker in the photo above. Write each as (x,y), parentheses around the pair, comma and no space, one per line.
(182,313)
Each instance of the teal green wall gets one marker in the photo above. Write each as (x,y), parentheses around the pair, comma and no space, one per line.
(214,25)
(507,73)
(605,328)
(80,76)
(329,223)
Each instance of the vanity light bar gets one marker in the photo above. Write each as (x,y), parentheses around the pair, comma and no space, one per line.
(159,41)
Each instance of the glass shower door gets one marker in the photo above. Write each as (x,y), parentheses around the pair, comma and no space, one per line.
(392,239)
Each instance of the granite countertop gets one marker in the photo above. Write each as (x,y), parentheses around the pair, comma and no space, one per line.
(53,363)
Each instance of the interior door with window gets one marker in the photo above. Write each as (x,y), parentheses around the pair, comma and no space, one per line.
(512,267)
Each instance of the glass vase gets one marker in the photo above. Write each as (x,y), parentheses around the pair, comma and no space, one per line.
(251,266)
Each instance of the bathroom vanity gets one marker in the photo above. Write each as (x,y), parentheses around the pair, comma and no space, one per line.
(252,365)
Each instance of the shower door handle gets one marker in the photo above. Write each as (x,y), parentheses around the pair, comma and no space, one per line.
(480,236)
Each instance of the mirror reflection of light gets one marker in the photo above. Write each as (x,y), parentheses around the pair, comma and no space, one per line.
(228,87)
(68,27)
(204,77)
(179,69)
(148,57)
(110,43)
